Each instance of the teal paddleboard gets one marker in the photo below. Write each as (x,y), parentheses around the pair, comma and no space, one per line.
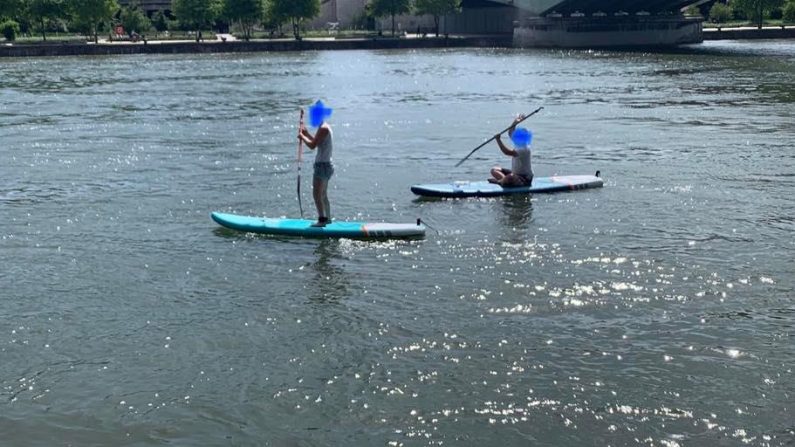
(303,227)
(486,189)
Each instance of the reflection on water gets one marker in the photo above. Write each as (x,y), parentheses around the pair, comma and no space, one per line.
(330,283)
(515,215)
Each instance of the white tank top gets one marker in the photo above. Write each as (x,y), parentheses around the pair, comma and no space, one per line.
(324,148)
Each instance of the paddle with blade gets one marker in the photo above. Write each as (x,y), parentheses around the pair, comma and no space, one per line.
(300,158)
(495,136)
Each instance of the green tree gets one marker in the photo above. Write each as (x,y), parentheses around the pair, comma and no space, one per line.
(789,12)
(44,12)
(720,13)
(11,8)
(756,9)
(133,18)
(245,12)
(271,18)
(437,8)
(9,29)
(90,14)
(195,13)
(159,21)
(383,8)
(294,11)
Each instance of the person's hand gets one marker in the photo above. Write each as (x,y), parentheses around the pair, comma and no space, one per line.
(518,119)
(497,137)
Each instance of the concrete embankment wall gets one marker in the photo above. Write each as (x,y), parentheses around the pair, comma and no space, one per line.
(41,50)
(749,33)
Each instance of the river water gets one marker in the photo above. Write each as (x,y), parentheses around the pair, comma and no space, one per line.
(658,310)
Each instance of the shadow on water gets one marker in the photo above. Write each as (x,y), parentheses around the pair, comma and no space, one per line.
(330,282)
(228,233)
(426,199)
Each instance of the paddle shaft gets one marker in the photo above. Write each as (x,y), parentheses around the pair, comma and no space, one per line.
(300,159)
(495,136)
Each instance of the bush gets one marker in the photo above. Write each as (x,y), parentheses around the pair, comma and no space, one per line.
(160,21)
(789,12)
(9,29)
(720,13)
(133,19)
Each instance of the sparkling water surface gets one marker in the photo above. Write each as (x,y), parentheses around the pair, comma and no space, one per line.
(658,310)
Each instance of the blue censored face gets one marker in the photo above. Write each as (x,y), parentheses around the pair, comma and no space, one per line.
(318,113)
(522,137)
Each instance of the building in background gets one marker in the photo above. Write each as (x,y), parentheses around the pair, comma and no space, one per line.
(149,6)
(345,14)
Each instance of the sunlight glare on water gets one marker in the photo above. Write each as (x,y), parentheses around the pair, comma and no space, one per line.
(654,311)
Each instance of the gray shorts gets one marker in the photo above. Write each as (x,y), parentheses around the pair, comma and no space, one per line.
(324,170)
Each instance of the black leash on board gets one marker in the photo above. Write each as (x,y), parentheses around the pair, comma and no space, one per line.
(422,222)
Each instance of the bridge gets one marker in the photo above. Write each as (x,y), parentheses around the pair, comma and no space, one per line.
(609,7)
(591,23)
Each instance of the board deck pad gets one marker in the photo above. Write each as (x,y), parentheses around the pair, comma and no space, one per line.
(303,227)
(486,189)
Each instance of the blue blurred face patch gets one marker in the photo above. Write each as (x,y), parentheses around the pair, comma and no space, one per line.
(318,113)
(522,137)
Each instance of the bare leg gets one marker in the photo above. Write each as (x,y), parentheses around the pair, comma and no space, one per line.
(507,180)
(511,180)
(318,191)
(496,175)
(326,204)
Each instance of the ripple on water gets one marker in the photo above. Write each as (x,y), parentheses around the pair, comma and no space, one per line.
(656,310)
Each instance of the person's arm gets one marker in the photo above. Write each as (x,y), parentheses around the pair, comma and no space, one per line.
(516,121)
(505,149)
(313,141)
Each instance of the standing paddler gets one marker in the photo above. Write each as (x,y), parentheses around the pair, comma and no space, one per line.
(323,168)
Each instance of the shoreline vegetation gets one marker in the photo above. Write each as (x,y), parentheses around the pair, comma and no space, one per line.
(108,22)
(70,45)
(210,35)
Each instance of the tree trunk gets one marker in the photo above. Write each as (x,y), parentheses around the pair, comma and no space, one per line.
(436,23)
(393,25)
(43,34)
